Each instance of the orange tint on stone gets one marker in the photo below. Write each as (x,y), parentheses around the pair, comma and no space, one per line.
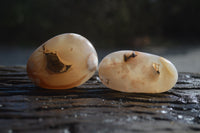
(65,61)
(133,71)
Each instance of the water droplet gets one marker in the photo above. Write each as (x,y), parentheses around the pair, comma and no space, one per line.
(187,76)
(180,116)
(194,100)
(163,111)
(134,117)
(66,131)
(45,107)
(170,108)
(75,116)
(98,79)
(26,99)
(189,118)
(84,114)
(10,131)
(40,119)
(129,119)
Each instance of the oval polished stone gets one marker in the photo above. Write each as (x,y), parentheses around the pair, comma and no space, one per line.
(134,71)
(65,61)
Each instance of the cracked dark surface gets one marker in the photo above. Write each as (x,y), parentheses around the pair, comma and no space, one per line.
(55,65)
(127,57)
(53,62)
(92,107)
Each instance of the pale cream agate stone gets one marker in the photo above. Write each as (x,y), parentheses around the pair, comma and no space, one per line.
(65,61)
(133,71)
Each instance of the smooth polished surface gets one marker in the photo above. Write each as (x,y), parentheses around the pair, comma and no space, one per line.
(133,71)
(65,61)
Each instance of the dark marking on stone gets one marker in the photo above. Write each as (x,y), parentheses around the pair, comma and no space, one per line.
(54,64)
(127,57)
(158,72)
(156,67)
(107,81)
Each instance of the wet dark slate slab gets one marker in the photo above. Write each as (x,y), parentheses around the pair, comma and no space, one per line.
(94,108)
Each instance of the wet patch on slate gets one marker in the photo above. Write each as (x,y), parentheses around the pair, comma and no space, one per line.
(92,107)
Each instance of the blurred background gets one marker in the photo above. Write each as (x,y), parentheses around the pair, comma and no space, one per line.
(169,28)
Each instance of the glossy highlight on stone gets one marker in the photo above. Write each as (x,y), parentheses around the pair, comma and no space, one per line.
(134,71)
(65,61)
